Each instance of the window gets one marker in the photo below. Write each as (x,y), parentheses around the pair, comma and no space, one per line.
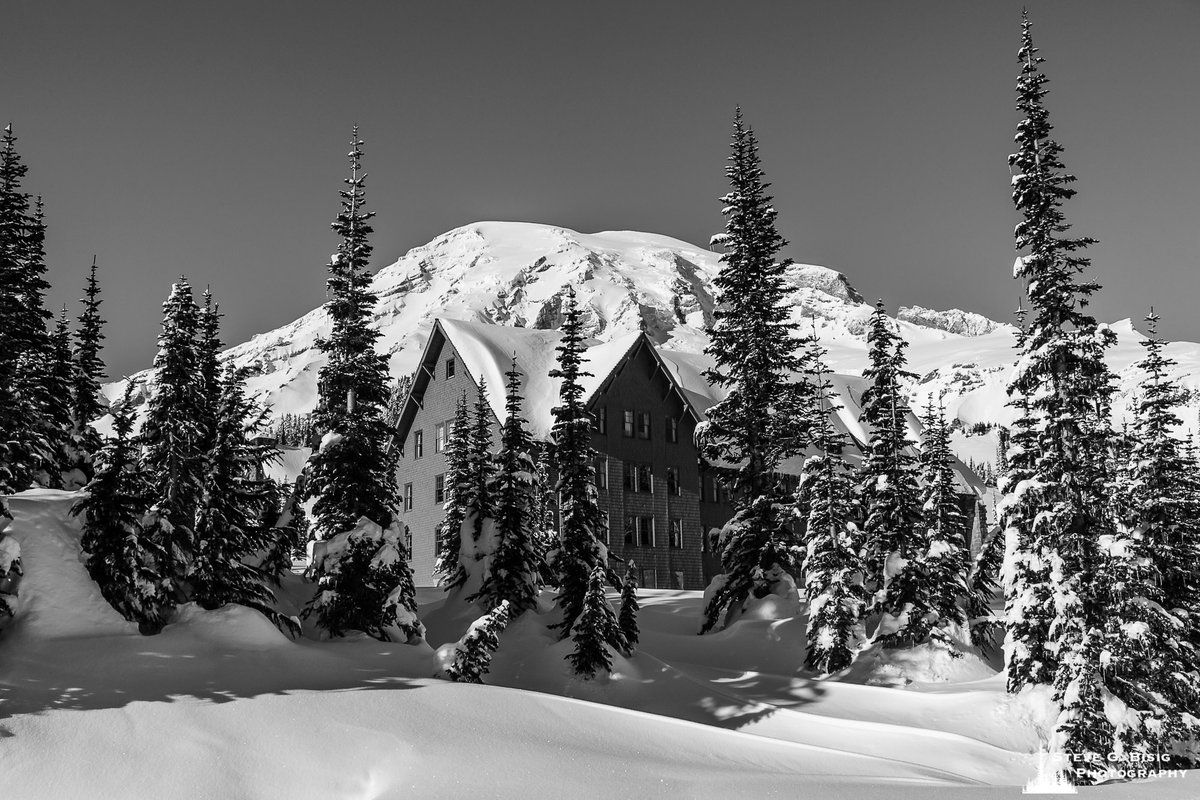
(418,444)
(645,531)
(645,478)
(673,487)
(630,530)
(672,430)
(604,535)
(602,420)
(408,497)
(703,494)
(602,473)
(627,475)
(720,491)
(439,489)
(643,427)
(627,424)
(703,540)
(449,367)
(439,437)
(408,554)
(677,533)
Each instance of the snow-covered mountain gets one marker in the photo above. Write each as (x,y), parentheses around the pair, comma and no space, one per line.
(512,273)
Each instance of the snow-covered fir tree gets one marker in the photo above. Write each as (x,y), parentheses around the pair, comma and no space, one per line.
(514,573)
(473,653)
(761,420)
(124,560)
(833,567)
(86,405)
(596,632)
(23,337)
(56,376)
(172,436)
(448,566)
(365,584)
(228,529)
(578,554)
(1152,665)
(208,367)
(1061,510)
(352,474)
(894,544)
(946,561)
(627,617)
(1025,570)
(479,503)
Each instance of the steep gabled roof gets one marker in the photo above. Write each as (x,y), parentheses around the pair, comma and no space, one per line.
(487,351)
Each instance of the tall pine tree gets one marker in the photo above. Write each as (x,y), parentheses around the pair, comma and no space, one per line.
(86,405)
(1062,508)
(448,567)
(514,573)
(228,530)
(833,567)
(172,436)
(761,420)
(887,485)
(578,553)
(352,474)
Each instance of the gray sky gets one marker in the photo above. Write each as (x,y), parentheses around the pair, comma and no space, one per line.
(209,138)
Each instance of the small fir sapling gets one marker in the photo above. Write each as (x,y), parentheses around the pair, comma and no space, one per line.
(473,654)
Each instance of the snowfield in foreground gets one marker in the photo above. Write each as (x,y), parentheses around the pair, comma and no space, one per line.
(222,705)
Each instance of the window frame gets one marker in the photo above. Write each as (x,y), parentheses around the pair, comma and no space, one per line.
(674,489)
(408,497)
(642,532)
(675,533)
(628,424)
(418,444)
(672,430)
(643,425)
(439,437)
(439,489)
(449,369)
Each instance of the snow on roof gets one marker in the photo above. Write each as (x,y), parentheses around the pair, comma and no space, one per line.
(487,352)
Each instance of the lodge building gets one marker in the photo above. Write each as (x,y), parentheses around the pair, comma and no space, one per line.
(660,501)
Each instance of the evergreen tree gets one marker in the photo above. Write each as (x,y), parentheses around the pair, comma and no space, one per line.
(1152,664)
(448,566)
(1028,607)
(982,584)
(352,474)
(122,558)
(172,436)
(228,531)
(833,568)
(1060,512)
(479,502)
(887,485)
(578,553)
(24,342)
(946,560)
(627,618)
(86,405)
(56,412)
(208,368)
(473,654)
(761,420)
(513,574)
(595,630)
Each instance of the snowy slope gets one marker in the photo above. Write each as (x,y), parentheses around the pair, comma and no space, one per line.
(222,705)
(517,274)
